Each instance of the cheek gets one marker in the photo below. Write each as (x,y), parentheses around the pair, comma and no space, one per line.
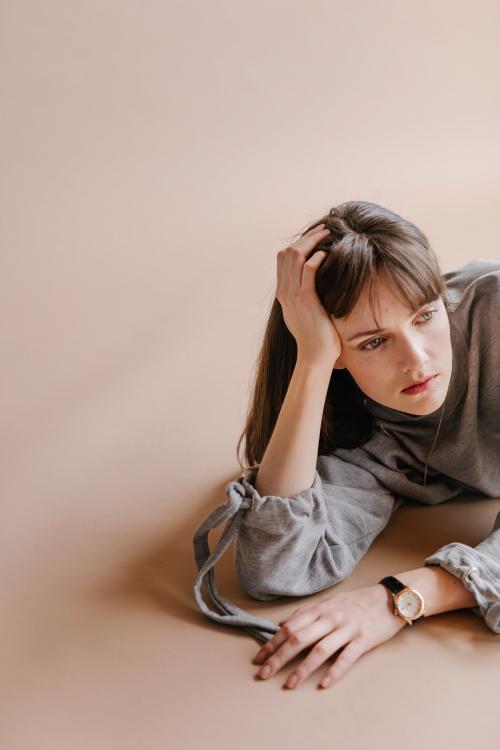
(440,340)
(370,374)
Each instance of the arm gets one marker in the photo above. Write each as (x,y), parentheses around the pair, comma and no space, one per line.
(290,546)
(478,568)
(459,577)
(289,462)
(301,544)
(442,591)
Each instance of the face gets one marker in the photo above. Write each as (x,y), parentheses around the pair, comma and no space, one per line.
(410,347)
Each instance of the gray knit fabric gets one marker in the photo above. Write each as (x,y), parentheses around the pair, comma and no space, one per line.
(298,545)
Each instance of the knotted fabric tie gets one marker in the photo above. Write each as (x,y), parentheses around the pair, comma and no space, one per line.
(232,512)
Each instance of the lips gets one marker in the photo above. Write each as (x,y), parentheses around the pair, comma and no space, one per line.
(418,382)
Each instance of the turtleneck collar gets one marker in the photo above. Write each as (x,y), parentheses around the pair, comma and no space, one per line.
(456,388)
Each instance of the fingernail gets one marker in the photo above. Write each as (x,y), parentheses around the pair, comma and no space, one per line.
(259,658)
(325,681)
(265,671)
(292,680)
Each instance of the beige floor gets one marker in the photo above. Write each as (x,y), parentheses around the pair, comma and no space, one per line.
(155,156)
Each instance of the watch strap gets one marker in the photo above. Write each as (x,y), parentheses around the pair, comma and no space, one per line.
(393,584)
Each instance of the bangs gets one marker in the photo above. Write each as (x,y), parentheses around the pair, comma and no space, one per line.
(414,290)
(415,281)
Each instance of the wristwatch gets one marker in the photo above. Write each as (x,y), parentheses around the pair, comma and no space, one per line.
(408,603)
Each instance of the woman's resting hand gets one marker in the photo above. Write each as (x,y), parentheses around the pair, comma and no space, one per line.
(354,621)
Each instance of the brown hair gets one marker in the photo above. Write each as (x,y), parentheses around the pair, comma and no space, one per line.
(364,238)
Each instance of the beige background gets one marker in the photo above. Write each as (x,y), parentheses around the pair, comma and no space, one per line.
(155,157)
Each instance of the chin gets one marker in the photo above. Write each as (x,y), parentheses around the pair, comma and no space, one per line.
(425,410)
(421,409)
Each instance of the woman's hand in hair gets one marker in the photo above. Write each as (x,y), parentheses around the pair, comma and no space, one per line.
(353,622)
(305,317)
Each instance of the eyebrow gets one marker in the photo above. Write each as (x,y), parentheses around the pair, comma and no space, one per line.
(380,330)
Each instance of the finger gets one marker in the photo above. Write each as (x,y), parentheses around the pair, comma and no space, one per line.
(295,255)
(302,616)
(310,267)
(301,236)
(303,608)
(344,661)
(293,622)
(310,239)
(316,228)
(323,649)
(269,648)
(297,641)
(316,259)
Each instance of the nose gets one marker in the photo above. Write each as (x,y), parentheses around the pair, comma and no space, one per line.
(413,356)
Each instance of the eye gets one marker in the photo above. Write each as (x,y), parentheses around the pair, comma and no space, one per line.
(368,347)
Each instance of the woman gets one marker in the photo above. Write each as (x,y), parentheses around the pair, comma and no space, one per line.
(341,436)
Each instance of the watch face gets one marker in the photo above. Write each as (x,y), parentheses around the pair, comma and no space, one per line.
(410,603)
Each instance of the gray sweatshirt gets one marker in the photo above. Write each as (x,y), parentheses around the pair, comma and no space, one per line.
(298,545)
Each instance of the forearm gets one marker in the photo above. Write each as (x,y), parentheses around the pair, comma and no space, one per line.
(442,591)
(289,462)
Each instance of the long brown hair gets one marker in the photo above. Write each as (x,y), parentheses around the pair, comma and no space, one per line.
(364,238)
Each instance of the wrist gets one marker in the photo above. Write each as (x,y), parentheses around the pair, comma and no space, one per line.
(441,591)
(385,601)
(317,363)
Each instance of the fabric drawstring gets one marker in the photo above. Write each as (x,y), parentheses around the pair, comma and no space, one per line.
(232,512)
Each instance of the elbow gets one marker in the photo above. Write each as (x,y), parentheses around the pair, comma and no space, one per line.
(260,581)
(260,575)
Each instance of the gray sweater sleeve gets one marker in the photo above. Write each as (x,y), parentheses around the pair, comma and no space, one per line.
(292,546)
(479,570)
(295,546)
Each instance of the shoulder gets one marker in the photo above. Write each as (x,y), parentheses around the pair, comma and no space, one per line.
(474,292)
(475,279)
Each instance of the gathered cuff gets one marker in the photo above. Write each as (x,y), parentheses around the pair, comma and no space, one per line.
(478,573)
